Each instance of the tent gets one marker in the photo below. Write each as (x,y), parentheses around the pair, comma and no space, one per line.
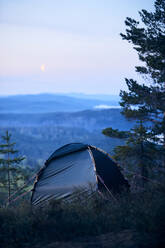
(76,165)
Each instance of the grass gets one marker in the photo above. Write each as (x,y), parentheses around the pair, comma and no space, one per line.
(144,212)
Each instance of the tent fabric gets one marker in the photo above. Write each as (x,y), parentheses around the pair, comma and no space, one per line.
(108,171)
(67,149)
(64,175)
(76,166)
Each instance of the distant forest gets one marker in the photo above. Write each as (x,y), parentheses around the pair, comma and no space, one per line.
(38,135)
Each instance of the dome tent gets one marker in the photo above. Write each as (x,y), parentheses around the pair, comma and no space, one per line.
(76,165)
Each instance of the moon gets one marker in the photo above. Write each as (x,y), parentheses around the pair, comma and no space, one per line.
(42,67)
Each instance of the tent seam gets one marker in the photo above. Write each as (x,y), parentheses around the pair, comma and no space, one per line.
(94,163)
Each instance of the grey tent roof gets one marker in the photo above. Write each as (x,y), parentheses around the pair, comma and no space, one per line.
(67,149)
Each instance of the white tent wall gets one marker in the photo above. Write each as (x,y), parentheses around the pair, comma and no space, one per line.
(62,175)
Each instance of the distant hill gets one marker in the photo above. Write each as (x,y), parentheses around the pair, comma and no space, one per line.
(87,119)
(101,97)
(44,103)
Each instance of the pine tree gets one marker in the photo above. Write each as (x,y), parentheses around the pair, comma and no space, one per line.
(145,102)
(9,164)
(149,98)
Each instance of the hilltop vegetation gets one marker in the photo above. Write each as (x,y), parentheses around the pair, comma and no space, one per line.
(136,220)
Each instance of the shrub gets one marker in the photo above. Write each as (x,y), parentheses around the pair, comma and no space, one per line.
(143,212)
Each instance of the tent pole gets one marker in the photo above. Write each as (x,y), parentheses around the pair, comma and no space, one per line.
(102,181)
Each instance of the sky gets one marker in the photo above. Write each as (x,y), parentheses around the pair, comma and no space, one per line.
(63,46)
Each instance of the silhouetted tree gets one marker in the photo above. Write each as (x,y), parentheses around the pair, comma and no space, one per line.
(9,164)
(149,98)
(145,102)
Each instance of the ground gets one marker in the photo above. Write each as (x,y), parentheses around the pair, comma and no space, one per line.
(123,239)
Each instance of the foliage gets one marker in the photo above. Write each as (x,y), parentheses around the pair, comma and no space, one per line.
(115,133)
(149,42)
(145,102)
(10,170)
(24,226)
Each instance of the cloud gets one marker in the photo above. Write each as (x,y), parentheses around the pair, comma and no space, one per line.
(103,106)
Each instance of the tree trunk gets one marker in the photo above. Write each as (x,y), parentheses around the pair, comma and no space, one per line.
(8,179)
(144,172)
(164,140)
(143,166)
(164,128)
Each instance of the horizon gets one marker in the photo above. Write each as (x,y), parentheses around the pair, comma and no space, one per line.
(61,93)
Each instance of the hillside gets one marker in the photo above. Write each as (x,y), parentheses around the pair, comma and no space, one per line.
(87,119)
(43,103)
(38,135)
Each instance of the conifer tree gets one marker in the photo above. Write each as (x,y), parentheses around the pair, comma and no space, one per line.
(148,98)
(9,163)
(145,101)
